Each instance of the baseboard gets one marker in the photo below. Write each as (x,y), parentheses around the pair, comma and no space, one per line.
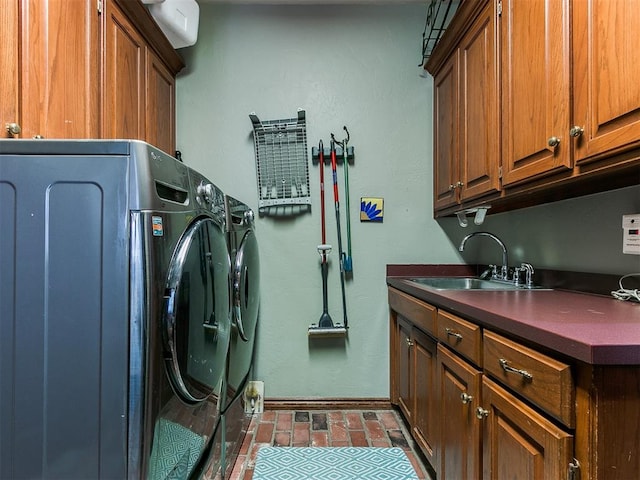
(327,404)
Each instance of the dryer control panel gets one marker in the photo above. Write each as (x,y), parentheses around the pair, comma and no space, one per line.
(207,195)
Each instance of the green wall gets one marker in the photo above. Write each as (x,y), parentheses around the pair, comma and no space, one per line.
(354,66)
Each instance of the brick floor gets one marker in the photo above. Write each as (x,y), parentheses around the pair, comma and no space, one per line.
(335,428)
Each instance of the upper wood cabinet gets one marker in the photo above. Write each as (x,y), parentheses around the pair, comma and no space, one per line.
(479,127)
(466,117)
(124,72)
(606,69)
(84,69)
(446,132)
(534,38)
(53,56)
(140,102)
(9,66)
(567,102)
(160,104)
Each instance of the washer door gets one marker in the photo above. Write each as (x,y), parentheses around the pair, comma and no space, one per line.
(196,319)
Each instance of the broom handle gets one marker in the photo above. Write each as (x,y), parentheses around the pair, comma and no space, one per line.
(322,212)
(346,194)
(334,171)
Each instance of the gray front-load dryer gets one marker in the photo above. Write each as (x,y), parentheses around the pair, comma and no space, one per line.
(114,312)
(245,297)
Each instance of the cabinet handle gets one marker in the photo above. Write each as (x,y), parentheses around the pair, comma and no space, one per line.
(459,184)
(508,368)
(13,128)
(553,142)
(574,470)
(409,342)
(452,187)
(576,131)
(482,413)
(453,333)
(466,398)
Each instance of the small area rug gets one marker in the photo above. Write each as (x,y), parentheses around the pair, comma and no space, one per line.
(332,463)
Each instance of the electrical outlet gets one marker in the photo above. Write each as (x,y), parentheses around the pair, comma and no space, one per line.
(254,397)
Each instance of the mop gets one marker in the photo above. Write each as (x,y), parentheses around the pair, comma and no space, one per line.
(325,326)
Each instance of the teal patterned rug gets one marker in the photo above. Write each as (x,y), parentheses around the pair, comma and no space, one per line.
(175,451)
(332,463)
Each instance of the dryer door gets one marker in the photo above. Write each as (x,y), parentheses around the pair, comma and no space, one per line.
(246,296)
(196,317)
(246,286)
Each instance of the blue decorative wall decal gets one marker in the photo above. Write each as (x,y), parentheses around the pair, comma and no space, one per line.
(371,209)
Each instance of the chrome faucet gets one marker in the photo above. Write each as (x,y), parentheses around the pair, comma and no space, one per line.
(528,269)
(504,271)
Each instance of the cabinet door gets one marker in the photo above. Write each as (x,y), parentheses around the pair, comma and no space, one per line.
(124,73)
(459,386)
(535,88)
(446,131)
(424,381)
(9,66)
(404,366)
(518,442)
(479,128)
(57,67)
(606,42)
(160,104)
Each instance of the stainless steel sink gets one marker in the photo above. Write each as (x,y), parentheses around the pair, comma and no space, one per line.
(466,283)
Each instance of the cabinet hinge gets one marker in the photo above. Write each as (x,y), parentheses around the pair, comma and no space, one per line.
(500,172)
(499,7)
(574,470)
(99,6)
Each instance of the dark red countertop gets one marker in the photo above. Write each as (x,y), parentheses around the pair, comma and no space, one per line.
(594,329)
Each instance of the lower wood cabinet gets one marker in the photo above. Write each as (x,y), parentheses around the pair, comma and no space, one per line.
(413,368)
(518,442)
(484,406)
(426,411)
(458,395)
(404,368)
(546,382)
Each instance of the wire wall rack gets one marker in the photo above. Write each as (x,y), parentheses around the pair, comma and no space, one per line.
(439,15)
(282,165)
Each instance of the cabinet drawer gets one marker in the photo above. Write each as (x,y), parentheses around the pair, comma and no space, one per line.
(545,381)
(421,314)
(460,335)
